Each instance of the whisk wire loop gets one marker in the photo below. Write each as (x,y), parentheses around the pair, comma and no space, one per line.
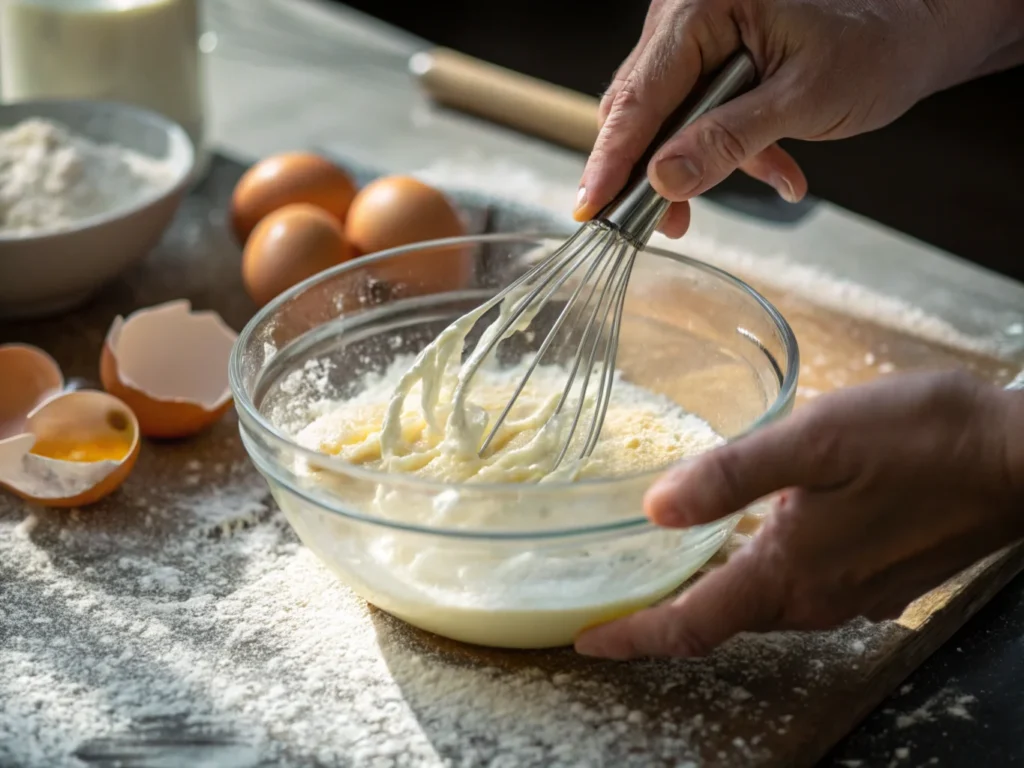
(552,335)
(589,345)
(604,252)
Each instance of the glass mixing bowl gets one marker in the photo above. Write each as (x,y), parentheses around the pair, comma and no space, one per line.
(564,555)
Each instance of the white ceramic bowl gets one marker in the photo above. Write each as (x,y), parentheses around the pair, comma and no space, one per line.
(45,273)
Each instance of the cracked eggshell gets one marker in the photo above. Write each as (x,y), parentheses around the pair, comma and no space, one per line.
(30,377)
(78,447)
(170,365)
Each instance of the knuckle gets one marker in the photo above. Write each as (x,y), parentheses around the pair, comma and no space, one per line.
(624,107)
(629,97)
(954,394)
(725,478)
(680,640)
(721,141)
(823,445)
(614,86)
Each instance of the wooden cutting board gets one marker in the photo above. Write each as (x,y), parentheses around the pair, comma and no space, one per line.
(778,700)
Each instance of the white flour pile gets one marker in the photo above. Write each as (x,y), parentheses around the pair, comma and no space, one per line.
(51,178)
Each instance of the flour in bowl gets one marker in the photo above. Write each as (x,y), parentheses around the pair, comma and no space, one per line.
(51,178)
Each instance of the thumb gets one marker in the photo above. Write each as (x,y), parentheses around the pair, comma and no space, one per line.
(737,597)
(728,137)
(800,450)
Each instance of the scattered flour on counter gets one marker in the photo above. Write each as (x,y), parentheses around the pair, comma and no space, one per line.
(51,178)
(25,527)
(197,622)
(232,641)
(947,702)
(485,174)
(829,292)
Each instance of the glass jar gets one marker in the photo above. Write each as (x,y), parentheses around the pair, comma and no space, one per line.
(141,52)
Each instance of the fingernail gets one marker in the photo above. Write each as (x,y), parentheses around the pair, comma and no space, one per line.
(783,187)
(679,175)
(583,210)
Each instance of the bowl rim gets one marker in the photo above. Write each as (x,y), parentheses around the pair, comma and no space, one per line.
(250,415)
(174,131)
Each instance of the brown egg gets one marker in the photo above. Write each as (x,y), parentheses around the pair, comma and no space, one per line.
(290,245)
(294,177)
(399,210)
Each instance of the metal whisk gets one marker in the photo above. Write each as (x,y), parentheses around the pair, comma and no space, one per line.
(603,252)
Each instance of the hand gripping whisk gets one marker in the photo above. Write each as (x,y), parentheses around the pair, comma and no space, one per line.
(595,263)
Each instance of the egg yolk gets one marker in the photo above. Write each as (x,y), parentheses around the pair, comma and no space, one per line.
(106,449)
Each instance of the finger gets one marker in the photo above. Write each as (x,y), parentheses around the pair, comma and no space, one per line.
(801,450)
(665,72)
(888,612)
(676,221)
(713,146)
(734,598)
(650,24)
(777,168)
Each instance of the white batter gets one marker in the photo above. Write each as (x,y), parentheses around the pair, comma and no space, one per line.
(433,420)
(642,430)
(414,419)
(428,417)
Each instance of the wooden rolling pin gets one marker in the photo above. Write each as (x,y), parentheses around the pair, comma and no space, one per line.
(508,98)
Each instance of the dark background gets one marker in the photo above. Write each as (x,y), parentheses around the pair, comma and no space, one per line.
(950,172)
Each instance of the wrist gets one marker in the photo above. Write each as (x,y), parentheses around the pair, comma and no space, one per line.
(975,38)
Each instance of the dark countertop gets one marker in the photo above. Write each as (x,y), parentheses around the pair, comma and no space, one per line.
(985,659)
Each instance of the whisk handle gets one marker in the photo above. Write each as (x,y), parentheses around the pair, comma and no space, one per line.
(638,209)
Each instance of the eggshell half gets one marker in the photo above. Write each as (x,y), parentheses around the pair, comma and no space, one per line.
(82,424)
(170,365)
(28,376)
